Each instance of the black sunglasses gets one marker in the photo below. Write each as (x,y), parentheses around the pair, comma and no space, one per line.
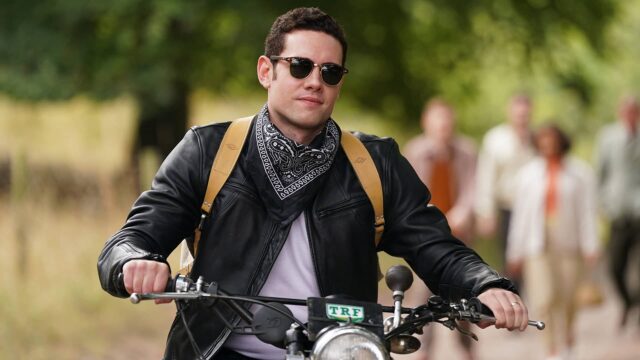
(300,68)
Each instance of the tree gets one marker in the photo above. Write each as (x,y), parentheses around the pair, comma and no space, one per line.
(154,51)
(158,51)
(414,49)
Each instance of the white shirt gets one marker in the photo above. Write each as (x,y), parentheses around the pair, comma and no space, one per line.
(575,218)
(503,153)
(618,171)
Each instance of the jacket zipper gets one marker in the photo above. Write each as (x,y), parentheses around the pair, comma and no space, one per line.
(223,337)
(341,207)
(272,231)
(313,254)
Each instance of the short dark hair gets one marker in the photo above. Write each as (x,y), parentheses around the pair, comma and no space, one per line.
(303,18)
(563,139)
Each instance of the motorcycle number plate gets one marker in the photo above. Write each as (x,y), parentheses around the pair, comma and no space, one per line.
(345,313)
(324,312)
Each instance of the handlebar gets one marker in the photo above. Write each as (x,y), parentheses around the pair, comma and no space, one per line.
(436,310)
(183,288)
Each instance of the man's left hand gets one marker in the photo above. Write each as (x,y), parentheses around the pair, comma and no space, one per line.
(507,307)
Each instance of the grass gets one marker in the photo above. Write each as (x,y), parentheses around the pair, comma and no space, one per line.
(55,308)
(52,304)
(87,136)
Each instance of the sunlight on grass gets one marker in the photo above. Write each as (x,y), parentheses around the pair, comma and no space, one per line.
(86,135)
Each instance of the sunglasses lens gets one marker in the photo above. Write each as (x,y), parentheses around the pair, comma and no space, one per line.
(300,68)
(332,73)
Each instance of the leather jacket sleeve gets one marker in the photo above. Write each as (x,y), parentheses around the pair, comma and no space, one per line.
(175,197)
(420,234)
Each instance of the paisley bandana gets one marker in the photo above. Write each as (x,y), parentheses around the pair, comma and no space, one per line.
(289,166)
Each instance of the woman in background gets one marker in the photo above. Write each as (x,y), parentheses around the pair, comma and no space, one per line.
(553,234)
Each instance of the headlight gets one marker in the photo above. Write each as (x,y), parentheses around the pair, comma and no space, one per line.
(349,342)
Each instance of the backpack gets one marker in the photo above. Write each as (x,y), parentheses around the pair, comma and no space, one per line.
(227,156)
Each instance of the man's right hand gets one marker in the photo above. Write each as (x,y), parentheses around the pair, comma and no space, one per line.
(144,276)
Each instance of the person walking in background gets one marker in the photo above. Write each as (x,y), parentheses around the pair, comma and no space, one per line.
(505,148)
(553,233)
(446,163)
(618,173)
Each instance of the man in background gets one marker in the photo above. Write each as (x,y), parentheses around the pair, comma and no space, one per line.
(618,175)
(505,148)
(446,162)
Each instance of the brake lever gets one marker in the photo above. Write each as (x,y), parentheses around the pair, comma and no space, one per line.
(464,332)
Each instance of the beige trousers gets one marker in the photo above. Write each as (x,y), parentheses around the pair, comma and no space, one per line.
(551,281)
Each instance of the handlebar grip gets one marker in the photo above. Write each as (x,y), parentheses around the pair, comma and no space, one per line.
(484,310)
(171,285)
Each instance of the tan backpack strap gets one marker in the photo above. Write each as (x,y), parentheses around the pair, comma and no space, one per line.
(226,159)
(368,176)
(223,164)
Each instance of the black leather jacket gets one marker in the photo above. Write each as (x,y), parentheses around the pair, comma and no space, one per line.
(240,242)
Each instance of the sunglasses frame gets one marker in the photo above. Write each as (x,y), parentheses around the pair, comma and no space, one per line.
(290,60)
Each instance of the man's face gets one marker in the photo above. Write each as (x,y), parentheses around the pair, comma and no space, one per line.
(520,112)
(630,112)
(439,124)
(301,107)
(548,144)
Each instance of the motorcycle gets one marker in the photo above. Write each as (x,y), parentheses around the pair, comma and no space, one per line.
(338,327)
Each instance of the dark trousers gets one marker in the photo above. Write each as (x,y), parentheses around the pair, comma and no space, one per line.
(625,236)
(504,221)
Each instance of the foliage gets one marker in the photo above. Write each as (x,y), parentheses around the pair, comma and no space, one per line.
(401,52)
(442,47)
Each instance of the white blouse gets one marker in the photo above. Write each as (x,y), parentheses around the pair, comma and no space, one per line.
(575,218)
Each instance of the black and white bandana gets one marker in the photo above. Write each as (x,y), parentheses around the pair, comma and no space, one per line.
(289,166)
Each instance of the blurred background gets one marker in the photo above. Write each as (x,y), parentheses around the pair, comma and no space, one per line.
(94,94)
